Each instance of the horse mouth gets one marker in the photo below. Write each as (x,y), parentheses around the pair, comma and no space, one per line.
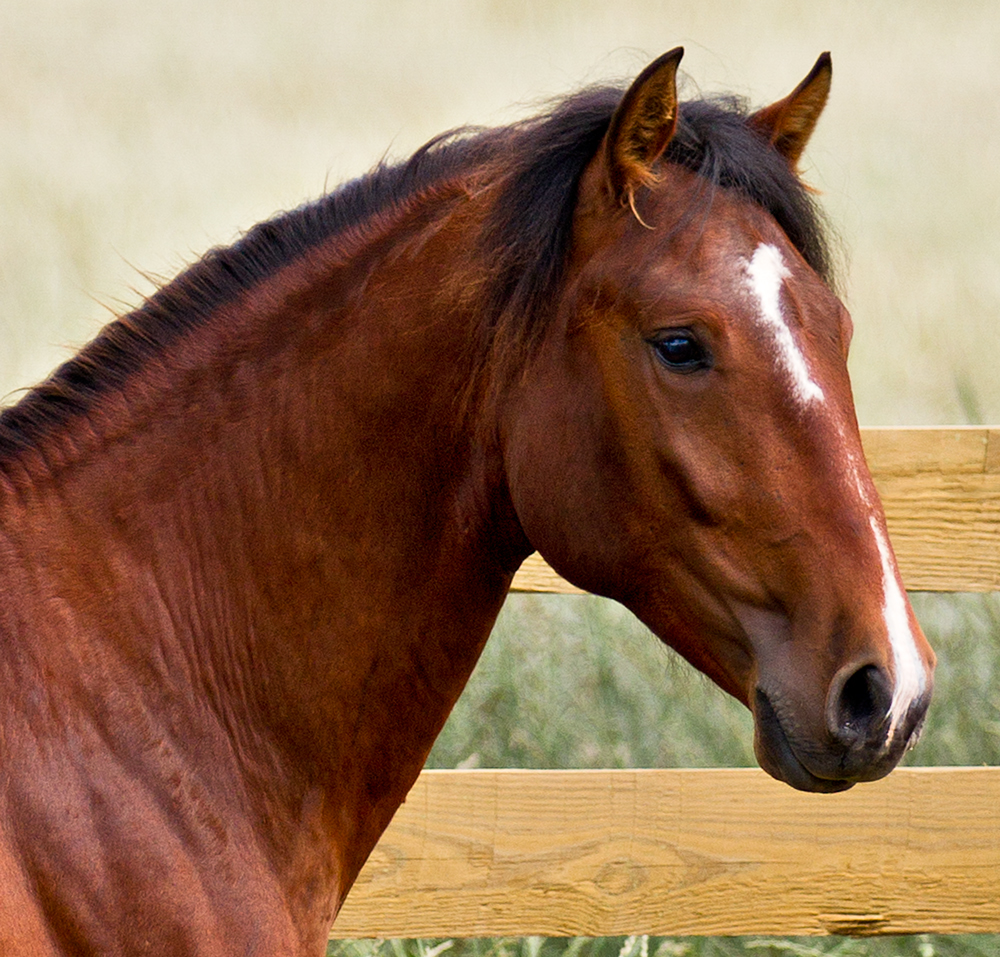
(778,758)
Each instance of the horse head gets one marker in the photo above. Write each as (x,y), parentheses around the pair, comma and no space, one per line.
(684,439)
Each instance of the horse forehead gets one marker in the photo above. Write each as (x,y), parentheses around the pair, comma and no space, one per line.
(708,252)
(724,266)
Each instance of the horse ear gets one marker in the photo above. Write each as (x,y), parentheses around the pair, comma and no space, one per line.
(789,123)
(641,127)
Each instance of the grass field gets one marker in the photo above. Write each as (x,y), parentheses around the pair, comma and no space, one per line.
(578,682)
(922,945)
(133,136)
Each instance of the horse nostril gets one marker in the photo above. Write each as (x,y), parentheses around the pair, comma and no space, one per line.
(858,703)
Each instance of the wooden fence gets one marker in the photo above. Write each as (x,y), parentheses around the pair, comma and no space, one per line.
(728,851)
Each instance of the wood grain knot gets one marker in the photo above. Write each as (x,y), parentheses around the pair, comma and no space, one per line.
(620,876)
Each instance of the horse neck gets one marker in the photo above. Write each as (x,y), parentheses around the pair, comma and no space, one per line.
(299,531)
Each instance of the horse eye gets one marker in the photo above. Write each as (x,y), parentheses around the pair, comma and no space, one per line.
(681,351)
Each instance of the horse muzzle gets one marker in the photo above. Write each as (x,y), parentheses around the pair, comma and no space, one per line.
(857,740)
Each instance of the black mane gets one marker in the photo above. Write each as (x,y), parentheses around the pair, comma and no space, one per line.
(539,161)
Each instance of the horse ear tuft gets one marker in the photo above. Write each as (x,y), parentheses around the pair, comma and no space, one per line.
(641,128)
(790,122)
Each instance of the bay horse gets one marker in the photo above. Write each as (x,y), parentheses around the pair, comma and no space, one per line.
(254,536)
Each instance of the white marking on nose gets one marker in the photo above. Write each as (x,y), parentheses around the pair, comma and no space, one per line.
(910,673)
(911,678)
(766,271)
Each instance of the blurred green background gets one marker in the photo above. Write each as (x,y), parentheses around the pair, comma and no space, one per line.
(135,134)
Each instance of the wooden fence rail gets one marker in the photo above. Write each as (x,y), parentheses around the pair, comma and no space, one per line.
(727,851)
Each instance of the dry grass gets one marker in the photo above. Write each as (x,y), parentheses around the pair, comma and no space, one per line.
(135,135)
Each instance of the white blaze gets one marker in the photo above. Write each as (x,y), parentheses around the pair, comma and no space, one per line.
(910,676)
(766,271)
(911,679)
